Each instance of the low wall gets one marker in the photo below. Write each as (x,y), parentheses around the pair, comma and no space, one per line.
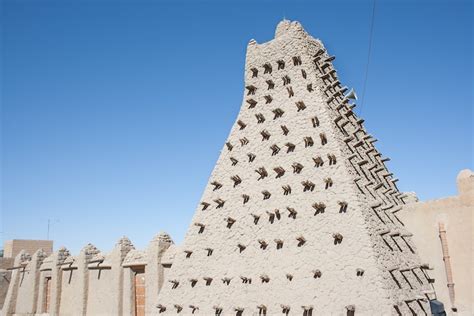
(455,215)
(5,277)
(90,283)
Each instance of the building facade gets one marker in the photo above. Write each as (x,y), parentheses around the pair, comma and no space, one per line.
(300,212)
(11,248)
(443,233)
(300,216)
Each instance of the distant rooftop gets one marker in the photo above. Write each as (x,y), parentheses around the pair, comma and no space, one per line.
(11,248)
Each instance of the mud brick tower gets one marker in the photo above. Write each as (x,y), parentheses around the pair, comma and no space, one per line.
(300,213)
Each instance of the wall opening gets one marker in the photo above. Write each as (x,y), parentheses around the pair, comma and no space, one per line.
(139,290)
(47,295)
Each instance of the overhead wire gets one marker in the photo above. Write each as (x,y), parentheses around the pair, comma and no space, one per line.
(369,53)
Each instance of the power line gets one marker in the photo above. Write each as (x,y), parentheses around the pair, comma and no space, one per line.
(368,57)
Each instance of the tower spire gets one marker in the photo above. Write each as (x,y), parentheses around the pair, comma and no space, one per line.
(300,212)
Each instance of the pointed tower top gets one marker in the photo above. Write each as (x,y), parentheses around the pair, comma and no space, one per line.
(287,26)
(163,236)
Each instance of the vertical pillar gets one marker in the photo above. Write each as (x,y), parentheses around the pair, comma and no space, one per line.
(56,279)
(123,246)
(19,265)
(154,270)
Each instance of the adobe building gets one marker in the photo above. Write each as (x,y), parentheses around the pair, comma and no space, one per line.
(5,275)
(300,217)
(300,213)
(125,281)
(11,248)
(443,232)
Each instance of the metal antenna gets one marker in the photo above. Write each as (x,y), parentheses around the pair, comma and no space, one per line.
(50,222)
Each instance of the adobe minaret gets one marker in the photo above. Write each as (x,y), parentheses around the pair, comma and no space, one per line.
(300,213)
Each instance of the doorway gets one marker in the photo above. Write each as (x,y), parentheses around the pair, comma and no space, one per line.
(47,295)
(139,291)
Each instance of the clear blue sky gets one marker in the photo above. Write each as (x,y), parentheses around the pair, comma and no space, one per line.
(114,112)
